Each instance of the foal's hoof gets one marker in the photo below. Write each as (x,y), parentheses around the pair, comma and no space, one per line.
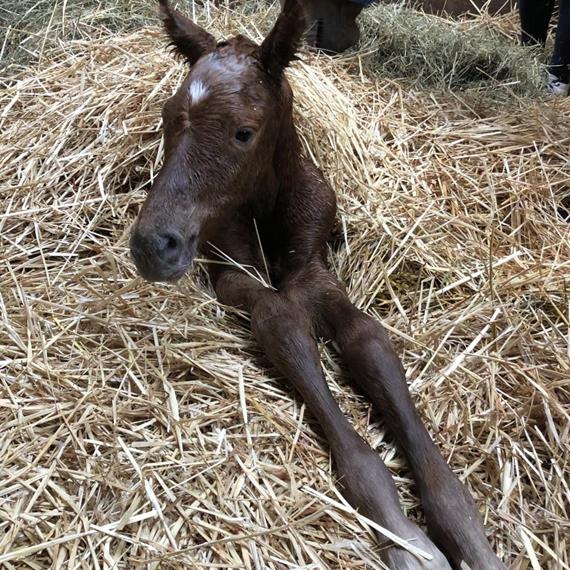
(400,559)
(487,562)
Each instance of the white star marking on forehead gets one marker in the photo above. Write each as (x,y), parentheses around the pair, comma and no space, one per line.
(197,91)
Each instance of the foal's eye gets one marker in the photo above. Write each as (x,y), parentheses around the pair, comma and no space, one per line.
(244,135)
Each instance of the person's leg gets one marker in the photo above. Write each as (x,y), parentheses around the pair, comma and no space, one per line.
(535,17)
(560,62)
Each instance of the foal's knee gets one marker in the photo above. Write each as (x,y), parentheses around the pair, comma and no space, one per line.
(285,332)
(374,365)
(278,321)
(362,337)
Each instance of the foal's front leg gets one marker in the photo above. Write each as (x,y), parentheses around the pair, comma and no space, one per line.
(284,328)
(451,515)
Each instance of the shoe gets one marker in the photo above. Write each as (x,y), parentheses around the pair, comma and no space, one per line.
(555,87)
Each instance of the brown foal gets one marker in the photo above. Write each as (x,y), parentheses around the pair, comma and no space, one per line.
(233,176)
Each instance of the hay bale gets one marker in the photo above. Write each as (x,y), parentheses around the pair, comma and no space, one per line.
(456,8)
(140,429)
(435,52)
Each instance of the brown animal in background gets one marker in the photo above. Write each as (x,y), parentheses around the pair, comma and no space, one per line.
(232,170)
(461,7)
(333,27)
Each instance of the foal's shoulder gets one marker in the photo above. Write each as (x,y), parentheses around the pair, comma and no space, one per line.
(314,186)
(308,204)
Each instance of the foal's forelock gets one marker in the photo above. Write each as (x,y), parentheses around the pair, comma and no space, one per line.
(221,73)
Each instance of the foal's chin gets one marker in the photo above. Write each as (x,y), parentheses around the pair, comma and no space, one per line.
(164,274)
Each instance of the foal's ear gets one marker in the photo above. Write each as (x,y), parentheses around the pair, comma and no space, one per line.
(189,39)
(279,47)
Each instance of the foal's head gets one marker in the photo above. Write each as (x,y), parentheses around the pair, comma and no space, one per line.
(220,133)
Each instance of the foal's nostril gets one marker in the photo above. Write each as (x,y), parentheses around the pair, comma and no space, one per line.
(171,242)
(168,246)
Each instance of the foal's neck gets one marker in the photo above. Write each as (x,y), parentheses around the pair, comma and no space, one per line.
(276,183)
(263,217)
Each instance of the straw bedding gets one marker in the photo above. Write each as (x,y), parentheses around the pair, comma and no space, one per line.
(141,427)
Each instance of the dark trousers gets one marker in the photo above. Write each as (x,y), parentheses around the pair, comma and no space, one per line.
(535,16)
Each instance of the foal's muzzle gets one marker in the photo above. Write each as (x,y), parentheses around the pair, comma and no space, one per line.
(162,256)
